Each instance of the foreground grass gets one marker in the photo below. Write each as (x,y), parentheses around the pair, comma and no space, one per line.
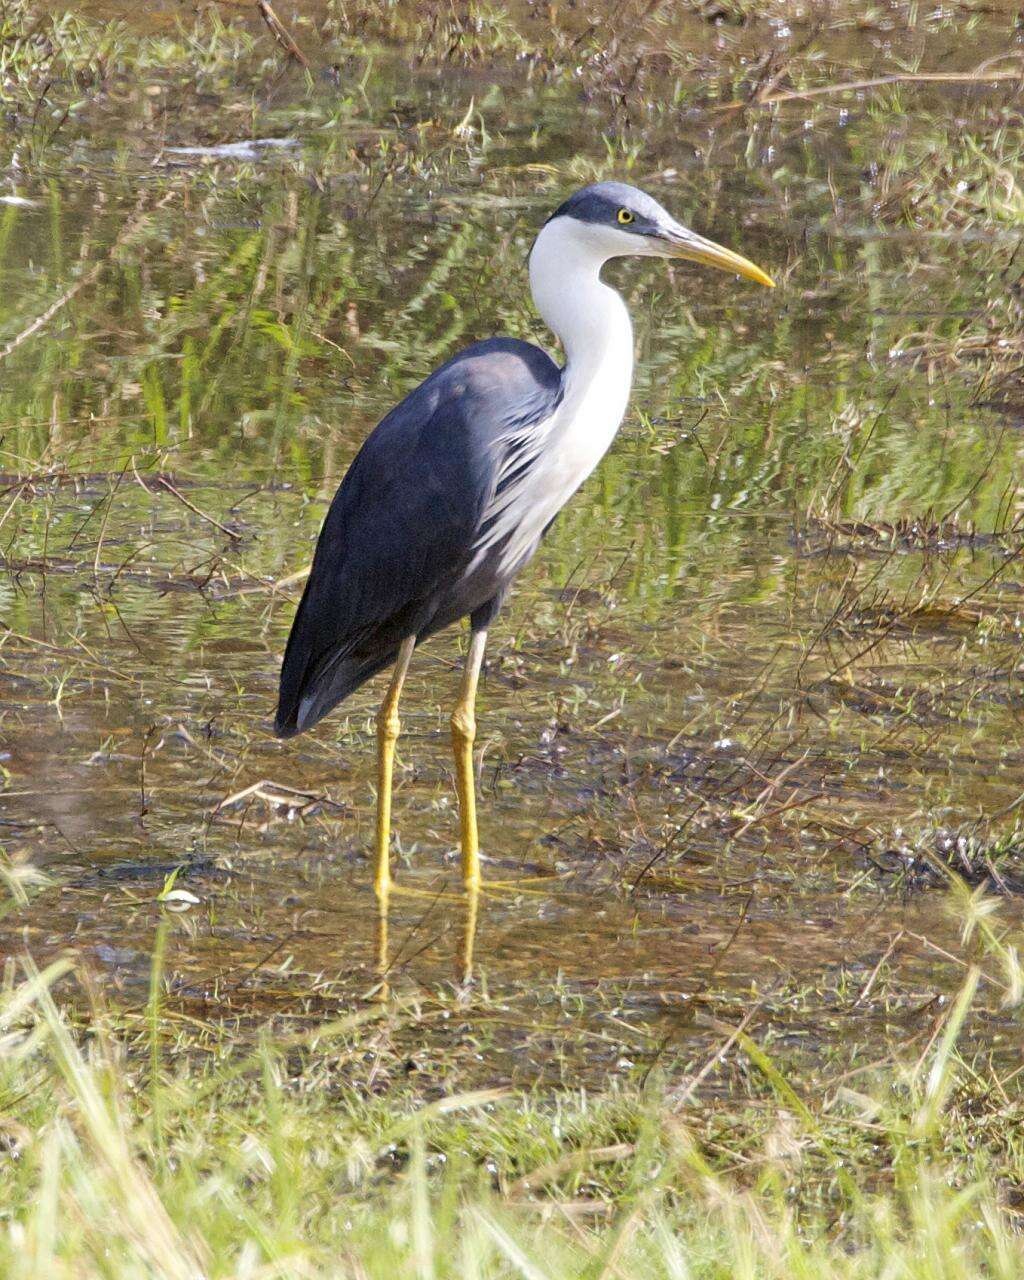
(149,1145)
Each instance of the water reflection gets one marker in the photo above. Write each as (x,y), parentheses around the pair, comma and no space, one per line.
(462,960)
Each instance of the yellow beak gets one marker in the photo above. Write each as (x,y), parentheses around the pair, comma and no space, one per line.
(694,248)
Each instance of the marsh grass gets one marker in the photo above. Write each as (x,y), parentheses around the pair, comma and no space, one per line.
(141,1143)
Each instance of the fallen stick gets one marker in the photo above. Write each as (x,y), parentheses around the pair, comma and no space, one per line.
(280,32)
(164,483)
(908,77)
(41,321)
(904,77)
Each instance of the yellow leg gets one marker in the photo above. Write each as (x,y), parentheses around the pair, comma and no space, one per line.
(388,728)
(463,735)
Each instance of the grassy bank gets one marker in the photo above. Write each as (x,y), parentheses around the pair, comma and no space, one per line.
(146,1144)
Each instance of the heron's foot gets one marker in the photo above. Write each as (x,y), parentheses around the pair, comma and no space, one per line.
(483,883)
(524,884)
(440,894)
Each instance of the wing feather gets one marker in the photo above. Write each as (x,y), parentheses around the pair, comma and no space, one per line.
(404,523)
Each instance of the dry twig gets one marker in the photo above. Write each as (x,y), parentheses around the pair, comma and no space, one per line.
(41,321)
(281,33)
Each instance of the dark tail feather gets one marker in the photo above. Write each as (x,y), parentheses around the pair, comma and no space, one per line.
(293,679)
(317,674)
(305,701)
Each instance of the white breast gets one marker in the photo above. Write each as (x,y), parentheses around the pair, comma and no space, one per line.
(563,451)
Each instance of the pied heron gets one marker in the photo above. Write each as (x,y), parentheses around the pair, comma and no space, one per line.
(451,493)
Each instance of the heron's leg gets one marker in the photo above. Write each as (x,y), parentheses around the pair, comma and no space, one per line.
(463,735)
(388,727)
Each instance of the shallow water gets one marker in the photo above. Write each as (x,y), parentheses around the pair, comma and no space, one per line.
(771,646)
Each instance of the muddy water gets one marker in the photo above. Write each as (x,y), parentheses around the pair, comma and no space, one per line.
(767,657)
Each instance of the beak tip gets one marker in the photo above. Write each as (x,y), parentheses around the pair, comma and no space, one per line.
(758,276)
(696,249)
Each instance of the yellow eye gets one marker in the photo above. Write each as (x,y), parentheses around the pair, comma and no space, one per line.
(626,217)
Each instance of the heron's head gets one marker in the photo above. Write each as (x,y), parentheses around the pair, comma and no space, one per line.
(618,221)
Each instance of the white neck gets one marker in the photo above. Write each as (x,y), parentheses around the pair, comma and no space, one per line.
(592,323)
(589,319)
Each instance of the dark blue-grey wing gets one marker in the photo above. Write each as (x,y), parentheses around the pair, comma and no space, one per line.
(403,523)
